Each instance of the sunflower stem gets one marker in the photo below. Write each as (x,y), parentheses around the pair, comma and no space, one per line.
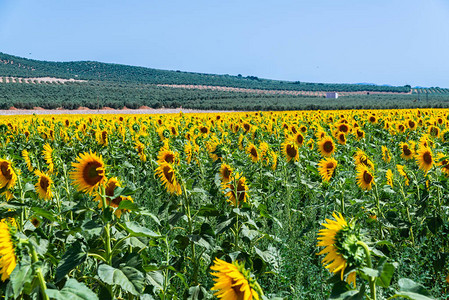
(192,245)
(372,280)
(40,276)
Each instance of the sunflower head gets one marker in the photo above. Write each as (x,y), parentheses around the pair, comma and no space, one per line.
(7,249)
(43,185)
(290,150)
(252,152)
(326,146)
(424,158)
(234,282)
(166,174)
(406,151)
(365,179)
(8,177)
(111,201)
(401,171)
(225,173)
(326,168)
(389,176)
(88,172)
(386,156)
(236,195)
(340,241)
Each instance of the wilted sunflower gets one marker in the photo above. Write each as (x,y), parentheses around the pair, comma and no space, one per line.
(234,282)
(406,151)
(88,172)
(326,146)
(341,250)
(326,168)
(43,185)
(424,158)
(109,193)
(7,252)
(239,196)
(8,177)
(167,176)
(225,173)
(386,156)
(364,177)
(389,176)
(26,158)
(252,152)
(290,150)
(47,152)
(401,171)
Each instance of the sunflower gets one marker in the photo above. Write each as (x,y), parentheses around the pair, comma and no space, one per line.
(326,168)
(274,159)
(167,156)
(8,177)
(389,176)
(26,158)
(167,176)
(234,282)
(140,147)
(188,151)
(364,177)
(343,127)
(406,151)
(43,185)
(290,150)
(443,162)
(386,156)
(263,147)
(401,171)
(341,250)
(47,152)
(7,252)
(424,158)
(109,193)
(225,173)
(102,137)
(299,139)
(361,158)
(251,149)
(88,172)
(239,196)
(341,138)
(359,133)
(434,131)
(326,146)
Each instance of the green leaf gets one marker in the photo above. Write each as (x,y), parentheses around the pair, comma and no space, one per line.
(156,279)
(408,285)
(209,211)
(43,213)
(72,258)
(412,296)
(137,230)
(129,205)
(370,272)
(20,276)
(129,279)
(72,290)
(223,226)
(386,273)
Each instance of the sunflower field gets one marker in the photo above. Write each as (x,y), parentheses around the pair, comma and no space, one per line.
(343,204)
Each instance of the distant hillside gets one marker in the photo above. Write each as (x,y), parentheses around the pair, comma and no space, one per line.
(13,66)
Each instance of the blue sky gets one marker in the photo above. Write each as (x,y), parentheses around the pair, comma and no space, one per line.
(394,42)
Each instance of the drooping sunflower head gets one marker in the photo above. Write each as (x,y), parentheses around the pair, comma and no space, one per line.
(225,173)
(111,201)
(326,168)
(359,133)
(167,156)
(365,179)
(290,150)
(88,172)
(7,250)
(238,195)
(234,282)
(326,146)
(424,158)
(47,152)
(341,138)
(167,176)
(340,241)
(8,177)
(406,151)
(44,185)
(26,158)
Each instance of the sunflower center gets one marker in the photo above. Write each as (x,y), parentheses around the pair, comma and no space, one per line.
(359,133)
(406,150)
(226,173)
(203,129)
(427,157)
(328,147)
(241,190)
(170,158)
(344,128)
(246,126)
(44,183)
(367,177)
(299,139)
(238,293)
(330,165)
(291,151)
(5,170)
(104,135)
(342,138)
(253,152)
(168,174)
(93,173)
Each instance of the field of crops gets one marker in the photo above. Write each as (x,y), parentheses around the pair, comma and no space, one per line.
(347,204)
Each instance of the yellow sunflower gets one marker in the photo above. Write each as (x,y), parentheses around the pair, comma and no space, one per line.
(109,193)
(361,158)
(299,139)
(333,236)
(341,138)
(8,177)
(364,177)
(225,173)
(7,252)
(102,137)
(140,147)
(239,195)
(326,146)
(234,282)
(47,152)
(26,158)
(167,176)
(43,185)
(401,171)
(251,149)
(406,151)
(443,162)
(389,176)
(359,133)
(167,156)
(386,156)
(188,151)
(326,168)
(88,173)
(290,150)
(424,158)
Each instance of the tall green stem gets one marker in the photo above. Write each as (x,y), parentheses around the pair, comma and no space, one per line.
(372,280)
(40,276)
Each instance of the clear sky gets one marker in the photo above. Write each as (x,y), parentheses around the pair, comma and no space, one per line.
(394,42)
